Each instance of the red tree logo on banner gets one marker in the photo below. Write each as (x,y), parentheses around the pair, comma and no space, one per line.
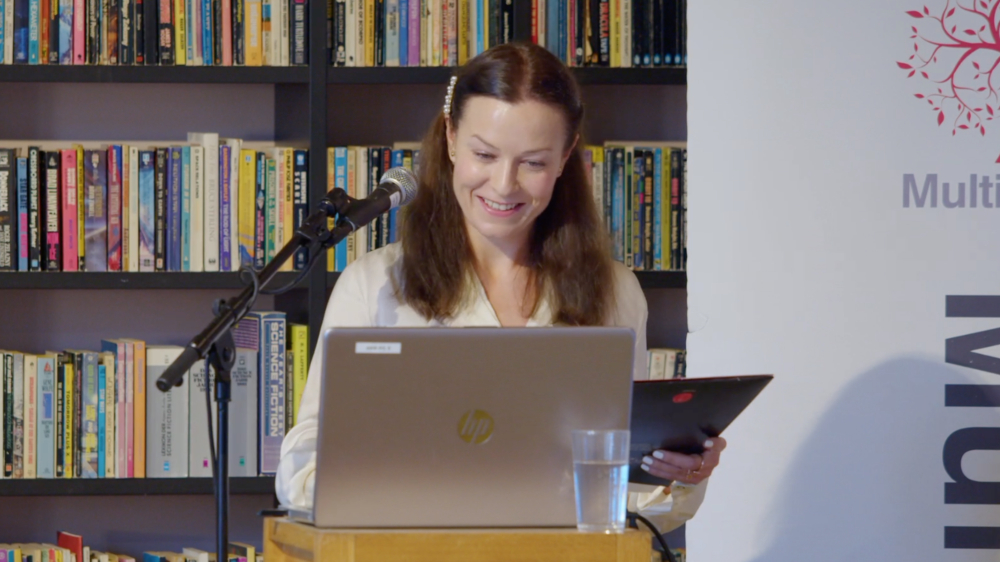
(957,51)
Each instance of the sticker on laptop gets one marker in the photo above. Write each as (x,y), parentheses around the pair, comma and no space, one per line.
(378,348)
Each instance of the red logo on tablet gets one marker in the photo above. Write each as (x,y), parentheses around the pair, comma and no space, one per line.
(683,397)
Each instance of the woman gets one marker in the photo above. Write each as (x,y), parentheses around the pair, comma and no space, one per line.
(517,241)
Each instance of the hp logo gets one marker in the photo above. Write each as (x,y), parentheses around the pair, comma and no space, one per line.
(475,427)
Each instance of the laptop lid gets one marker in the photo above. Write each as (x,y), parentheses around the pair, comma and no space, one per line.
(462,427)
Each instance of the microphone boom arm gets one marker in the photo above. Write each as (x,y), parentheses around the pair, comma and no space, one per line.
(313,234)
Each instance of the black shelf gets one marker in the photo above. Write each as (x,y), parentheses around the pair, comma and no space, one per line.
(156,74)
(669,75)
(662,279)
(104,280)
(647,279)
(388,75)
(131,486)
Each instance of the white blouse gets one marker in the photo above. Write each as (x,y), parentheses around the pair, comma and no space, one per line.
(364,296)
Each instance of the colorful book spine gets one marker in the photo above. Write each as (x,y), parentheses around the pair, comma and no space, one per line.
(173,226)
(122,431)
(247,205)
(17,366)
(53,259)
(8,413)
(208,32)
(110,419)
(160,214)
(101,420)
(271,217)
(234,200)
(3,33)
(81,217)
(300,365)
(96,216)
(260,213)
(114,173)
(227,32)
(137,455)
(147,211)
(397,161)
(340,180)
(22,245)
(126,213)
(272,389)
(658,210)
(8,211)
(300,184)
(30,416)
(70,240)
(65,27)
(34,31)
(34,210)
(20,31)
(225,209)
(90,437)
(126,20)
(286,201)
(46,416)
(79,32)
(185,181)
(133,208)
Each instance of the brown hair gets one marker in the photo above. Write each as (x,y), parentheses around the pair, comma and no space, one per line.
(569,256)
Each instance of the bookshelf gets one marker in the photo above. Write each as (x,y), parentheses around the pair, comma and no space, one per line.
(155,74)
(130,280)
(302,110)
(131,486)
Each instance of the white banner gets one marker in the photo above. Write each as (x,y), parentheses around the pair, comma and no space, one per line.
(844,234)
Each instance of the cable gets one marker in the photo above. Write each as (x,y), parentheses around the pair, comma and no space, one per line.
(667,553)
(208,408)
(255,279)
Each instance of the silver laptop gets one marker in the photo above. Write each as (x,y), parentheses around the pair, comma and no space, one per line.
(461,427)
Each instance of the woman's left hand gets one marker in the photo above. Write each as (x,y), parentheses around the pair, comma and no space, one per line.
(687,469)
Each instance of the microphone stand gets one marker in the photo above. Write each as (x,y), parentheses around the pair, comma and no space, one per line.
(216,343)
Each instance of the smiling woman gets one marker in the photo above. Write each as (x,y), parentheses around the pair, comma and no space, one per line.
(516,241)
(503,180)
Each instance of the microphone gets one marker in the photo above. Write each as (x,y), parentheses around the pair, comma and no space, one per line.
(396,188)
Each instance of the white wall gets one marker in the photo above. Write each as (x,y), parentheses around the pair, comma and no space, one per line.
(804,263)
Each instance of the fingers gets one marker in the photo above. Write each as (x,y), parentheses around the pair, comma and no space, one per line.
(689,469)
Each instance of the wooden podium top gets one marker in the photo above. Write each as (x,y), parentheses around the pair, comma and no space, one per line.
(288,541)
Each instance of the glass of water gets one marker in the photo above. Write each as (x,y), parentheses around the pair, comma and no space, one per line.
(600,472)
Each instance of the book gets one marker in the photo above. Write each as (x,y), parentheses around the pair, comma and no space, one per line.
(200,455)
(95,211)
(167,418)
(210,221)
(30,415)
(243,413)
(45,467)
(8,211)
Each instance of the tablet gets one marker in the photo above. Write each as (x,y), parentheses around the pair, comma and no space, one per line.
(680,414)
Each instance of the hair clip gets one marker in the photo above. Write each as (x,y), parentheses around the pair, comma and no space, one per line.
(449,94)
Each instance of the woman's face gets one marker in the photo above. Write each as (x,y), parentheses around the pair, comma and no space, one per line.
(507,158)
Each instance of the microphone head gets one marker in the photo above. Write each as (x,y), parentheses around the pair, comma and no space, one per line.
(405,180)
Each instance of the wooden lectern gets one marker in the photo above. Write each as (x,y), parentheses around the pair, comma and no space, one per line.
(287,541)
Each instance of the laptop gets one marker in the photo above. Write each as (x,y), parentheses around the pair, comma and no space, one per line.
(680,414)
(461,427)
